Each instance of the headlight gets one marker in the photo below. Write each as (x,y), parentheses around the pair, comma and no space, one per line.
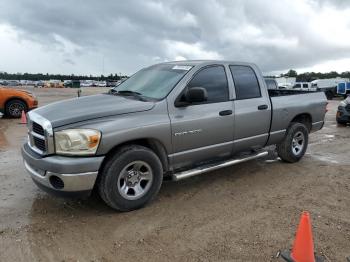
(77,141)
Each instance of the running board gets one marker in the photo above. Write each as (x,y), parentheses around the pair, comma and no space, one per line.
(212,167)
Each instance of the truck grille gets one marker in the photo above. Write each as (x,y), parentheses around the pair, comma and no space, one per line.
(40,134)
(39,143)
(38,129)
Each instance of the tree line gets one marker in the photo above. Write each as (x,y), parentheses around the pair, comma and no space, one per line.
(39,76)
(310,76)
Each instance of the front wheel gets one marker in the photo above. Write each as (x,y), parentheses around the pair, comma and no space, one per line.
(14,108)
(131,178)
(294,144)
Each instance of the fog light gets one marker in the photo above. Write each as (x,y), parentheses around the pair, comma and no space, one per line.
(56,182)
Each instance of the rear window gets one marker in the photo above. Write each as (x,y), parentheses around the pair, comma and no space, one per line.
(246,82)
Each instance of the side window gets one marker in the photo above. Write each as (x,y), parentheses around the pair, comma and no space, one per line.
(246,83)
(214,80)
(305,85)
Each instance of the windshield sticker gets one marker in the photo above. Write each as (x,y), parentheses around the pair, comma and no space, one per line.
(182,67)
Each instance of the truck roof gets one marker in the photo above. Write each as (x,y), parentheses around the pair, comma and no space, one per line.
(205,62)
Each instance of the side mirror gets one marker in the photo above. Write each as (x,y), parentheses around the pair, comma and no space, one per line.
(196,95)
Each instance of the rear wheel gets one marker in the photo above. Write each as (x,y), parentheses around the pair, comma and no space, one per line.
(131,178)
(15,107)
(329,95)
(294,145)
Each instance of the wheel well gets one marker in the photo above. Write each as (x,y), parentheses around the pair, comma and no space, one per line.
(153,144)
(305,119)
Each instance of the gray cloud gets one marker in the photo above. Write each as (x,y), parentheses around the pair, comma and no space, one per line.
(276,35)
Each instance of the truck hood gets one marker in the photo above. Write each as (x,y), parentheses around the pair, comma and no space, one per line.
(90,107)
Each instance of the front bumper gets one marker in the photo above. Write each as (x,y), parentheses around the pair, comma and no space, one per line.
(62,176)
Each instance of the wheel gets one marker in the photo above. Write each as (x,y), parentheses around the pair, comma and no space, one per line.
(341,123)
(15,107)
(329,95)
(131,178)
(295,142)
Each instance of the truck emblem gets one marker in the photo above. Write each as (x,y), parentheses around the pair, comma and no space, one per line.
(190,132)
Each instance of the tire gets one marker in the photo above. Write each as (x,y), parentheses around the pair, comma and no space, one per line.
(343,123)
(15,107)
(131,178)
(287,149)
(329,95)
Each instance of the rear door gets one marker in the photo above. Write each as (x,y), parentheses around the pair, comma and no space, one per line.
(252,109)
(203,131)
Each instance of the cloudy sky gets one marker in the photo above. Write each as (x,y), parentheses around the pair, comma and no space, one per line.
(94,37)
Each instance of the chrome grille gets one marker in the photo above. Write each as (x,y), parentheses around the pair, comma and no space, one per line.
(38,129)
(40,134)
(39,143)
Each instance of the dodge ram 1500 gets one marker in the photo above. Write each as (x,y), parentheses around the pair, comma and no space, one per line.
(175,119)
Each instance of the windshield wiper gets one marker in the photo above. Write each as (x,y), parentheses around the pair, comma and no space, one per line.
(128,93)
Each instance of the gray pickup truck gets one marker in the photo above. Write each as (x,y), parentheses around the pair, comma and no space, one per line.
(176,120)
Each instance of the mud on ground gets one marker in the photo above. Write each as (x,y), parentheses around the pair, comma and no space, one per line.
(243,213)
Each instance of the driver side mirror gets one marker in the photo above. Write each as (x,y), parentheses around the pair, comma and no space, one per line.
(196,95)
(192,95)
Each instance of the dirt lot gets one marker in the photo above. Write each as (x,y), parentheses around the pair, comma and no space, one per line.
(243,213)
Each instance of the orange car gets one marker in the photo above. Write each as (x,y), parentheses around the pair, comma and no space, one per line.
(14,101)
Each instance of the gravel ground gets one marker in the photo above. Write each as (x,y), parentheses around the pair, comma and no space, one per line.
(246,212)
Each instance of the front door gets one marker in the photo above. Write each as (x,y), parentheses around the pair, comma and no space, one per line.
(203,131)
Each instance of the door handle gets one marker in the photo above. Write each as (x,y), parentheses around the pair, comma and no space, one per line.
(225,113)
(263,107)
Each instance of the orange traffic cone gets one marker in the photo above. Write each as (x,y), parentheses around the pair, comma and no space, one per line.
(303,247)
(23,118)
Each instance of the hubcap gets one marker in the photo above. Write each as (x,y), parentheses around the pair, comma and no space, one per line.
(135,180)
(298,143)
(15,109)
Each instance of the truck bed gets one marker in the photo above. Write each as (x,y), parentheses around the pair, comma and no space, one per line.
(287,104)
(287,92)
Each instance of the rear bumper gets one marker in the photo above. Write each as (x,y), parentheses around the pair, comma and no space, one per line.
(62,176)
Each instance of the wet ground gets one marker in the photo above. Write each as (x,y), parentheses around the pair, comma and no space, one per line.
(243,213)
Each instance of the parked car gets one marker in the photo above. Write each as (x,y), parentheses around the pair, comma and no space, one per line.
(54,84)
(102,84)
(86,83)
(343,113)
(176,119)
(14,101)
(12,83)
(39,83)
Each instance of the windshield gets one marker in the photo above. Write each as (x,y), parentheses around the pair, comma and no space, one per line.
(155,81)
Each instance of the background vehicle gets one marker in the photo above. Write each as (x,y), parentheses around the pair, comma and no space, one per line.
(343,89)
(343,113)
(72,83)
(12,83)
(39,83)
(176,119)
(54,84)
(304,86)
(14,101)
(328,86)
